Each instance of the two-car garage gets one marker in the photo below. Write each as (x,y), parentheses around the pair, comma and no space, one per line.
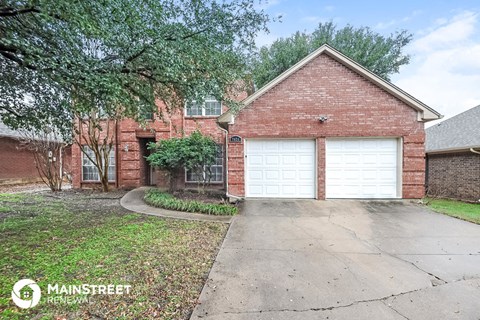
(327,128)
(354,168)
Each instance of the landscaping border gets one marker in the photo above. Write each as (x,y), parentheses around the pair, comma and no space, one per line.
(133,201)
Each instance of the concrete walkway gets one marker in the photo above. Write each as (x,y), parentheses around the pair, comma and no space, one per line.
(133,201)
(292,260)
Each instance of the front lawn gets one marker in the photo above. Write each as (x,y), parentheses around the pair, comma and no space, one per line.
(80,238)
(457,209)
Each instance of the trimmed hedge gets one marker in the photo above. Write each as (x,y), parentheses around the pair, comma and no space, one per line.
(164,200)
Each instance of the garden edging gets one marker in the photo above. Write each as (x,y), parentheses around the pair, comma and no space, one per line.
(133,201)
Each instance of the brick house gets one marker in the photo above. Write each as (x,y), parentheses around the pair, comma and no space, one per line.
(129,167)
(17,164)
(453,157)
(325,128)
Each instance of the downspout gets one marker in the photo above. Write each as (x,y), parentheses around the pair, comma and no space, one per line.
(116,155)
(61,163)
(427,172)
(226,158)
(474,151)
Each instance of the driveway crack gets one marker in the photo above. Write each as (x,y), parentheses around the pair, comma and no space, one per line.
(388,305)
(439,281)
(382,299)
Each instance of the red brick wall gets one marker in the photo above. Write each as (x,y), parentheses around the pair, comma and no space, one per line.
(355,107)
(130,164)
(16,165)
(454,175)
(76,167)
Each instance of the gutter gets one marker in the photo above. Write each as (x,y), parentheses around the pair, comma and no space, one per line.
(453,150)
(474,151)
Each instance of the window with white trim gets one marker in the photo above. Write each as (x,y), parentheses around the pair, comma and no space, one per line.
(90,171)
(216,170)
(211,107)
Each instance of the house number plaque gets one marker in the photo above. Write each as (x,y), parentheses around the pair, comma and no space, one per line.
(235,139)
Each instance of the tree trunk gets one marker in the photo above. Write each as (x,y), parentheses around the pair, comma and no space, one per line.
(105,186)
(173,181)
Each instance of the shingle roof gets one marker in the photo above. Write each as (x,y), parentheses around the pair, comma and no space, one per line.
(7,132)
(458,133)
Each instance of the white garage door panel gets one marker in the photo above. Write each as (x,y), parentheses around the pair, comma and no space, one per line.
(361,168)
(280,168)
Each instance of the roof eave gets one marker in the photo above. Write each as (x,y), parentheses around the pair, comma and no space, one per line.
(452,150)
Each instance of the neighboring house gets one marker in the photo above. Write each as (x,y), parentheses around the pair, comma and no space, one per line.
(453,157)
(326,128)
(17,164)
(128,165)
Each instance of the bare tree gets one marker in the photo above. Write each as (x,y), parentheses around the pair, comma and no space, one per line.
(48,149)
(95,135)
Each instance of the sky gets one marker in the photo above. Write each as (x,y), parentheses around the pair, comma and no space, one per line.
(444,70)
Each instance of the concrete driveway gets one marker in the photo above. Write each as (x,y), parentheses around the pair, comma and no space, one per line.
(287,259)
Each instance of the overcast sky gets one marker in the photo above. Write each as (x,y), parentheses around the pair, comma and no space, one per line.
(444,71)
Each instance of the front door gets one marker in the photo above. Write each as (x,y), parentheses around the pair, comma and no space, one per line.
(148,176)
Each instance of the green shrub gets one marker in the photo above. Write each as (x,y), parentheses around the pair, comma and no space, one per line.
(195,152)
(164,200)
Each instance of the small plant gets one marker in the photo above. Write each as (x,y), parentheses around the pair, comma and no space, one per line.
(164,200)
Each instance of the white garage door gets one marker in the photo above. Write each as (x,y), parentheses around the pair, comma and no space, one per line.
(280,168)
(361,168)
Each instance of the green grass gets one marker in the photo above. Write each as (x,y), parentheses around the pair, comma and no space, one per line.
(164,200)
(457,209)
(70,242)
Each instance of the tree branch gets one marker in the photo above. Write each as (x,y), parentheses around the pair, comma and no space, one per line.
(9,110)
(11,12)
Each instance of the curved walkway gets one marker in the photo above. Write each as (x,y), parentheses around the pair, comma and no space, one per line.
(133,201)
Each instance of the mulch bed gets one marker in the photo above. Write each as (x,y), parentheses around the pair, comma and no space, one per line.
(206,197)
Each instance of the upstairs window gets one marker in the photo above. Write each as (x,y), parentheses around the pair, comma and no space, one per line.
(211,107)
(146,115)
(146,111)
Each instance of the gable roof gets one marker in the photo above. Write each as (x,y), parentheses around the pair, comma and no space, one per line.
(461,132)
(425,113)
